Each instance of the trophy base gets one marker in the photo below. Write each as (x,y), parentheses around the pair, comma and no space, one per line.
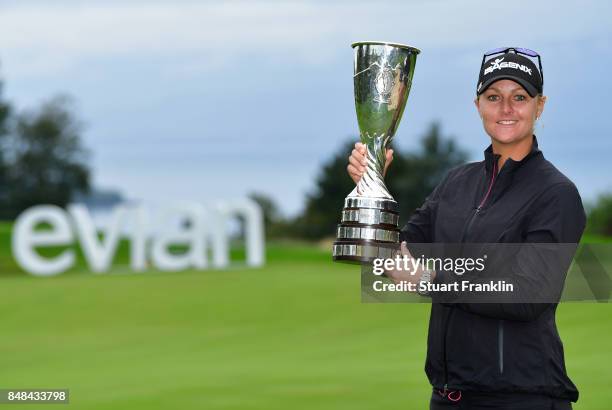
(362,252)
(369,230)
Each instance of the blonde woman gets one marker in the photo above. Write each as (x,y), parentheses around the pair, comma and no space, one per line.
(498,356)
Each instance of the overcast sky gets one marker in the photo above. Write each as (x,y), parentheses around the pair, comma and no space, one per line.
(212,100)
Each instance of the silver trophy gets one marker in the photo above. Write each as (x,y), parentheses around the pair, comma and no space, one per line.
(370,218)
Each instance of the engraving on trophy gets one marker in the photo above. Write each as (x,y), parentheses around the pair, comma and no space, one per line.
(384,83)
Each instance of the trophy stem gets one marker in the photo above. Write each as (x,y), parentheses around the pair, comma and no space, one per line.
(372,183)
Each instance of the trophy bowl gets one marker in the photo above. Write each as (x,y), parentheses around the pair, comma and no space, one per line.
(369,227)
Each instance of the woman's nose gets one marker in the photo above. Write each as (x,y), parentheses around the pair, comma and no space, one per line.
(507,106)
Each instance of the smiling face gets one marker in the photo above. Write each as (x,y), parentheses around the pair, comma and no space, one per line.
(508,112)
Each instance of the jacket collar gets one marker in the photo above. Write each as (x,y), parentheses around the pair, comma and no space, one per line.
(510,165)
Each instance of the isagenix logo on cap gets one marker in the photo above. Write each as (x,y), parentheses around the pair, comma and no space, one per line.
(499,63)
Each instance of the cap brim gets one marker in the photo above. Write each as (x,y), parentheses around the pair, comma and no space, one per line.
(531,90)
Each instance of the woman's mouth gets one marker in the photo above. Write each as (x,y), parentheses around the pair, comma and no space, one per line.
(507,122)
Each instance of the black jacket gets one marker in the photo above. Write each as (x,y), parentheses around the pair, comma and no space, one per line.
(488,347)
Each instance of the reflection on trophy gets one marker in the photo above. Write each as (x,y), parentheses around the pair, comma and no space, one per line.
(370,218)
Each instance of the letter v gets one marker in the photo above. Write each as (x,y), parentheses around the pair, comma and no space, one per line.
(98,253)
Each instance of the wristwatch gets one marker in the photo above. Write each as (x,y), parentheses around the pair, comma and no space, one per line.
(425,279)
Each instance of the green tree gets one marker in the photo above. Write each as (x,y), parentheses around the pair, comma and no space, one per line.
(5,113)
(411,177)
(599,221)
(323,206)
(46,161)
(274,223)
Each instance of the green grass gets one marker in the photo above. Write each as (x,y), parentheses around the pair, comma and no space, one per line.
(292,335)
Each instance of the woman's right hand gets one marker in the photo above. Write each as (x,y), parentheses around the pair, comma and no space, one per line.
(357,162)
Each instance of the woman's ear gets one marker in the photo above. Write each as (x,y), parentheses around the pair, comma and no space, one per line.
(540,106)
(477,104)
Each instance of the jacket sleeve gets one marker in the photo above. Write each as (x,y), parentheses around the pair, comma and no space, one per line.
(558,217)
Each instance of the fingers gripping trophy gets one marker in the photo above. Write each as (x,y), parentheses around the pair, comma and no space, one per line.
(369,228)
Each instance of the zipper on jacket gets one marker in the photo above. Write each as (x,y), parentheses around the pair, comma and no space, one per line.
(463,237)
(500,345)
(481,204)
(446,322)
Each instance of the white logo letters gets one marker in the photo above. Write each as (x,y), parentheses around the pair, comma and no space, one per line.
(499,63)
(202,231)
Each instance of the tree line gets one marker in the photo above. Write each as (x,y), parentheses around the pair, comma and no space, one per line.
(42,160)
(412,176)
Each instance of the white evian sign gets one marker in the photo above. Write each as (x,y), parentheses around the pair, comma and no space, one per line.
(200,230)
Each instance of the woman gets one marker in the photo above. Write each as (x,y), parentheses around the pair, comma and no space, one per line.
(502,356)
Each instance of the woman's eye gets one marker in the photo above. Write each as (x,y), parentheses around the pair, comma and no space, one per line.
(493,97)
(520,97)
